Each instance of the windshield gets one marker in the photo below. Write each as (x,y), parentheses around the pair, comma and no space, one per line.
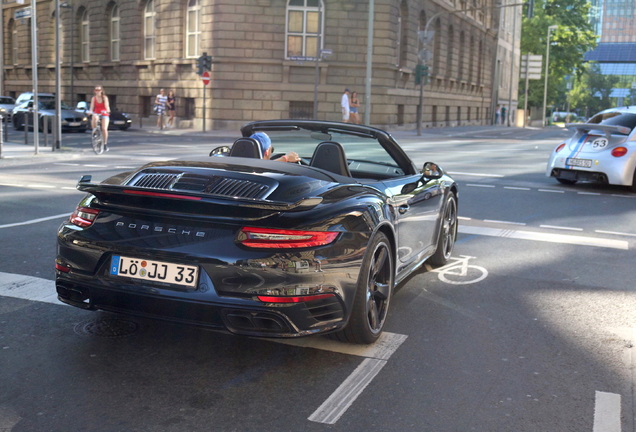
(615,119)
(50,105)
(6,101)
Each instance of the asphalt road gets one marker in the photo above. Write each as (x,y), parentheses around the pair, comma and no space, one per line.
(531,328)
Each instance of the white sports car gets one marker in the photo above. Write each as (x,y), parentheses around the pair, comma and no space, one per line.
(603,149)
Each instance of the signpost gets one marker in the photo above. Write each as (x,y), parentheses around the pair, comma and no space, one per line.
(205,78)
(204,66)
(531,66)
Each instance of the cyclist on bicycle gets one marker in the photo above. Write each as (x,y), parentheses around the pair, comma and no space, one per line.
(101,107)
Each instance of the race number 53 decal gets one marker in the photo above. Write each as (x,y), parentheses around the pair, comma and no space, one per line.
(599,143)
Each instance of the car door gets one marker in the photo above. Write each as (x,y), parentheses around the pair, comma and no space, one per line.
(416,204)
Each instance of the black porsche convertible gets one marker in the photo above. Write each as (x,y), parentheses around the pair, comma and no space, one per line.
(262,247)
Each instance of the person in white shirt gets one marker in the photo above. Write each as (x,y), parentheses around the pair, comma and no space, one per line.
(344,102)
(160,107)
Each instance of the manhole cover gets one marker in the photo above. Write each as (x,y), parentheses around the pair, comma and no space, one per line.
(107,328)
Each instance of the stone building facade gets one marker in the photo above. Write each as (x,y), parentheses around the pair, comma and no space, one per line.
(263,53)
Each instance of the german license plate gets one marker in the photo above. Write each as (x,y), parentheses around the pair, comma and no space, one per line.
(583,163)
(74,123)
(158,271)
(118,122)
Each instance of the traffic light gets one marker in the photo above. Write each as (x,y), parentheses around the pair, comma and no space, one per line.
(421,74)
(200,65)
(207,62)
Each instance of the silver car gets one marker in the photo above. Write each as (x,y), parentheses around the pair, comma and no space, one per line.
(603,149)
(7,104)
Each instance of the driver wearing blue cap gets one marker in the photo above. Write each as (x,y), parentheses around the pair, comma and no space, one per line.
(267,149)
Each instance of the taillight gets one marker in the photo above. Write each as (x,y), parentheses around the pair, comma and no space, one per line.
(283,239)
(84,217)
(63,269)
(294,299)
(559,148)
(619,151)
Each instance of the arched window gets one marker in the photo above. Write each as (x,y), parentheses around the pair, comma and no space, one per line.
(471,59)
(150,26)
(480,56)
(193,28)
(85,37)
(421,38)
(402,34)
(449,56)
(305,24)
(114,34)
(13,41)
(437,51)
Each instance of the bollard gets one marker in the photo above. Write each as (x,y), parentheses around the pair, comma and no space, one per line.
(26,128)
(2,129)
(45,129)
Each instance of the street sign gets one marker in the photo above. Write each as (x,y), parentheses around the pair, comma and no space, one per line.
(23,13)
(205,77)
(531,65)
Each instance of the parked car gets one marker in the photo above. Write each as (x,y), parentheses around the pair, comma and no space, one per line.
(603,150)
(118,120)
(7,103)
(27,96)
(262,247)
(71,120)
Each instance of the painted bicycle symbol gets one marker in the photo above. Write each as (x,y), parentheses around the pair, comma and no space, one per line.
(459,272)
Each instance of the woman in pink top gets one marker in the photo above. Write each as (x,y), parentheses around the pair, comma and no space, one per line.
(101,107)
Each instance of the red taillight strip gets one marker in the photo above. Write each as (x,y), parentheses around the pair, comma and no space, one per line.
(63,269)
(284,239)
(294,299)
(161,195)
(84,216)
(559,148)
(619,151)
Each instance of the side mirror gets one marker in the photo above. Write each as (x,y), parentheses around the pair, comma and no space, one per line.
(82,106)
(432,171)
(220,151)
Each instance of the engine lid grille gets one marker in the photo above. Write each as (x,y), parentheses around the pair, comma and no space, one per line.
(213,185)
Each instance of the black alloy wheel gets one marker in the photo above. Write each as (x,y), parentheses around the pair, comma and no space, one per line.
(448,233)
(373,295)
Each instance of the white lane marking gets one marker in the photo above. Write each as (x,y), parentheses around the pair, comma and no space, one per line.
(475,174)
(480,185)
(504,222)
(344,396)
(545,237)
(384,348)
(588,193)
(614,232)
(607,412)
(42,186)
(66,163)
(517,188)
(551,190)
(28,288)
(10,184)
(464,218)
(96,166)
(560,227)
(623,196)
(33,221)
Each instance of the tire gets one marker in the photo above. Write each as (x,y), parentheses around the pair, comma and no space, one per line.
(566,181)
(447,234)
(97,141)
(373,295)
(633,186)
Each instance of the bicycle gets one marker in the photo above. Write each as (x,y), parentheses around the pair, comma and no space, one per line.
(97,137)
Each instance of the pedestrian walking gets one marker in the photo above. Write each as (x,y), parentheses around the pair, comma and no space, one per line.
(160,107)
(344,103)
(171,107)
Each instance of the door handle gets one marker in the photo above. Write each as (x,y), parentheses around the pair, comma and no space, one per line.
(403,208)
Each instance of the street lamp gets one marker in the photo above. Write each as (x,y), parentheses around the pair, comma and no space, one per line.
(70,6)
(547,61)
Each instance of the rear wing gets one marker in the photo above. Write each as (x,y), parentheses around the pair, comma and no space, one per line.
(583,128)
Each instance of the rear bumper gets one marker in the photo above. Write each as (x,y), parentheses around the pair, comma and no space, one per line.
(579,175)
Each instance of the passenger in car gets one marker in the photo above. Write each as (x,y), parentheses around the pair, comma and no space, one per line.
(267,149)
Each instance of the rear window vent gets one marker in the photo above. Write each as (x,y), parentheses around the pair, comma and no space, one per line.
(238,188)
(155,180)
(214,185)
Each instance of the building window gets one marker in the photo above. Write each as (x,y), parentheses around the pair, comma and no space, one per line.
(460,60)
(85,37)
(150,26)
(114,34)
(13,42)
(189,108)
(449,55)
(304,25)
(437,47)
(301,110)
(402,34)
(400,115)
(193,28)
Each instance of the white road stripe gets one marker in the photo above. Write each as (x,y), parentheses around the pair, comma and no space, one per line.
(517,188)
(480,185)
(561,228)
(546,237)
(344,396)
(28,288)
(33,221)
(615,233)
(551,190)
(504,222)
(588,193)
(607,412)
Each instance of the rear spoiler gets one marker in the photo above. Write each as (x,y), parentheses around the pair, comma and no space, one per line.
(102,190)
(583,128)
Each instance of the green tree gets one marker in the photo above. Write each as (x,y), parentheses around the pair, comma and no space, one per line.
(569,43)
(591,91)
